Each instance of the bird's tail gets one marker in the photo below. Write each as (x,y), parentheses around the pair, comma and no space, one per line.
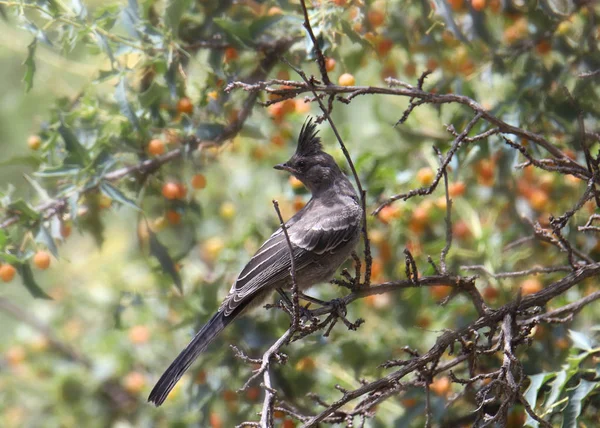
(183,361)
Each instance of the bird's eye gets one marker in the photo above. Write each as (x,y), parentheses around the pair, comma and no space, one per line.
(301,164)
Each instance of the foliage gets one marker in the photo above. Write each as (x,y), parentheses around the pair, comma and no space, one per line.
(162,162)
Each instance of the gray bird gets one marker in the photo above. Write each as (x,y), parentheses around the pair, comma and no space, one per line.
(322,234)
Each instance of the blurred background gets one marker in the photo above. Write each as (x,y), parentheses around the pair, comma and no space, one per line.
(90,356)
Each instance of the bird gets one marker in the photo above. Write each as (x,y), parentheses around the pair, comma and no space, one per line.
(322,236)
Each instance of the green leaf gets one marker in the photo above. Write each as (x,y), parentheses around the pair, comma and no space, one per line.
(77,152)
(39,189)
(59,171)
(3,238)
(557,386)
(114,193)
(535,383)
(152,95)
(103,43)
(354,36)
(173,13)
(161,253)
(581,341)
(24,209)
(30,65)
(239,32)
(209,131)
(44,237)
(29,282)
(576,396)
(263,23)
(125,106)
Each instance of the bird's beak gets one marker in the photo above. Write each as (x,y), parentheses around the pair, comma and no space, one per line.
(284,167)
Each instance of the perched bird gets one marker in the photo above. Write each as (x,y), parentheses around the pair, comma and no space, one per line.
(322,234)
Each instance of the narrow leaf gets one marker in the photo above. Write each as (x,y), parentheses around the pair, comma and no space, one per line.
(59,171)
(44,237)
(114,193)
(557,386)
(30,65)
(23,208)
(576,396)
(535,383)
(238,32)
(173,13)
(29,282)
(125,106)
(77,152)
(581,341)
(39,189)
(161,253)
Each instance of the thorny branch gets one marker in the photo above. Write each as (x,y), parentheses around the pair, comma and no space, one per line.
(503,329)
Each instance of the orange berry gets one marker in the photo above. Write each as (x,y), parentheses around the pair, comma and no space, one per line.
(301,106)
(440,292)
(409,402)
(539,199)
(389,71)
(184,105)
(375,18)
(198,181)
(34,142)
(15,355)
(456,5)
(278,140)
(276,111)
(306,364)
(295,183)
(562,343)
(215,420)
(181,191)
(156,147)
(274,11)
(65,230)
(229,395)
(288,107)
(457,189)
(432,64)
(346,79)
(298,203)
(200,378)
(425,176)
(461,230)
(441,385)
(134,382)
(41,260)
(330,64)
(253,393)
(288,423)
(231,54)
(173,217)
(389,213)
(478,5)
(278,414)
(543,47)
(384,46)
(410,69)
(530,286)
(490,293)
(170,190)
(7,272)
(139,334)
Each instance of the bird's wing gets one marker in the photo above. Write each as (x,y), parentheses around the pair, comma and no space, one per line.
(310,236)
(322,234)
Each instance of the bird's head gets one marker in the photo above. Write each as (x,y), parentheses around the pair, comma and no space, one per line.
(310,164)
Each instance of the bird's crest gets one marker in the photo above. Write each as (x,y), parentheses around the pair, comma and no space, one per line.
(308,141)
